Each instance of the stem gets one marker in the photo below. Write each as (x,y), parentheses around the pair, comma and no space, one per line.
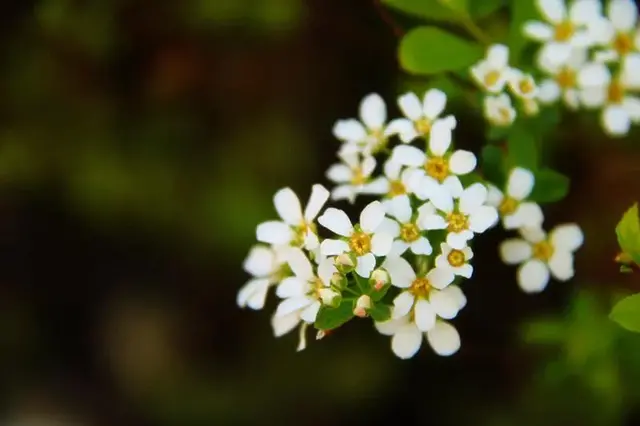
(475,30)
(347,289)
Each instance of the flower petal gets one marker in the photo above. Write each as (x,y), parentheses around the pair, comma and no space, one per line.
(440,138)
(454,186)
(408,155)
(631,105)
(421,246)
(568,237)
(274,232)
(594,75)
(527,215)
(442,199)
(292,304)
(366,264)
(434,102)
(349,130)
(444,339)
(555,53)
(292,287)
(538,31)
(283,325)
(398,248)
(406,342)
(459,240)
(533,276)
(515,250)
(494,196)
(585,11)
(333,247)
(402,304)
(433,221)
(310,313)
(520,183)
(549,91)
(623,14)
(391,327)
(260,261)
(472,198)
(326,269)
(440,277)
(404,128)
(300,264)
(337,221)
(401,209)
(339,173)
(498,56)
(444,304)
(371,216)
(410,106)
(425,316)
(392,169)
(373,111)
(483,218)
(317,199)
(462,162)
(288,206)
(555,11)
(253,294)
(381,243)
(616,120)
(401,273)
(561,265)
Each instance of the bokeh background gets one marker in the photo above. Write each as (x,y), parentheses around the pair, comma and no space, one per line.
(141,142)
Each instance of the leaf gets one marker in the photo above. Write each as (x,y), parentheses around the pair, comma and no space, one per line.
(380,312)
(522,149)
(377,295)
(458,6)
(430,50)
(628,232)
(482,8)
(330,318)
(550,186)
(438,10)
(497,133)
(627,313)
(493,165)
(521,11)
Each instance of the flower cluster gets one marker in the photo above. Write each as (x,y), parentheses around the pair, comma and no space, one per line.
(403,262)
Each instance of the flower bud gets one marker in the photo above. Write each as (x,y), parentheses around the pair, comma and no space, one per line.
(345,262)
(338,281)
(379,279)
(329,297)
(362,304)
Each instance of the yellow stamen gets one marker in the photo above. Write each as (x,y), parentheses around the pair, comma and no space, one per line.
(360,243)
(437,168)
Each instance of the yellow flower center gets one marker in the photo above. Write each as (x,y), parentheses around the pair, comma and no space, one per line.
(437,168)
(564,31)
(543,250)
(379,139)
(358,177)
(300,232)
(409,232)
(317,285)
(623,43)
(615,93)
(456,258)
(526,86)
(423,126)
(396,187)
(420,287)
(457,222)
(491,78)
(566,78)
(508,206)
(360,243)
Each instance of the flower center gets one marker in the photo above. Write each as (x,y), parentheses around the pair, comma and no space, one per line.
(358,177)
(396,187)
(420,287)
(564,31)
(615,93)
(508,206)
(456,258)
(423,126)
(360,243)
(491,78)
(543,250)
(409,232)
(526,86)
(623,44)
(457,222)
(379,140)
(566,78)
(316,285)
(300,232)
(504,114)
(437,168)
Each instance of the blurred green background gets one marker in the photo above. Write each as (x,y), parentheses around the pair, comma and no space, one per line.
(141,142)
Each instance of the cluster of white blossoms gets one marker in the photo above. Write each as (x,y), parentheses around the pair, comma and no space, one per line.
(589,58)
(404,260)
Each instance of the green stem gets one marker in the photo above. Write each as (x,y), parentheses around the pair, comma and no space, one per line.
(473,29)
(347,289)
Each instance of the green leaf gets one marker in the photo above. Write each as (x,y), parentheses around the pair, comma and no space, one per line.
(628,232)
(438,10)
(521,11)
(330,318)
(522,149)
(430,50)
(380,312)
(627,313)
(458,6)
(550,186)
(497,133)
(493,165)
(482,8)
(377,295)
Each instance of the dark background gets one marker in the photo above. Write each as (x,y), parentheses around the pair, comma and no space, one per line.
(141,142)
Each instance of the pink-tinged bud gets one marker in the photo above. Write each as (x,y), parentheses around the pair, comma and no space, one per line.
(362,304)
(344,260)
(320,334)
(380,278)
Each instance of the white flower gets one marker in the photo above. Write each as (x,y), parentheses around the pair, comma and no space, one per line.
(352,175)
(564,81)
(265,265)
(438,164)
(516,212)
(395,182)
(296,228)
(284,324)
(462,212)
(456,260)
(563,30)
(498,110)
(540,255)
(407,338)
(368,135)
(420,115)
(619,34)
(365,240)
(306,291)
(522,85)
(493,72)
(407,232)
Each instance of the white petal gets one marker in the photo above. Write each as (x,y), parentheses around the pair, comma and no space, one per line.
(460,239)
(444,339)
(585,11)
(571,99)
(526,215)
(442,199)
(567,237)
(389,226)
(555,53)
(494,196)
(381,243)
(274,232)
(408,155)
(533,234)
(326,269)
(404,128)
(482,219)
(498,56)
(365,265)
(454,186)
(337,221)
(402,304)
(433,221)
(549,91)
(292,304)
(288,206)
(333,247)
(253,294)
(514,251)
(623,14)
(317,199)
(440,138)
(300,264)
(391,327)
(368,165)
(616,121)
(422,246)
(371,216)
(339,173)
(378,186)
(292,287)
(462,162)
(400,271)
(533,276)
(472,198)
(520,183)
(538,31)
(259,262)
(425,317)
(373,111)
(398,248)
(401,209)
(440,277)
(434,103)
(406,342)
(631,105)
(392,169)
(554,11)
(410,106)
(631,68)
(349,130)
(344,192)
(444,304)
(593,97)
(457,294)
(594,75)
(465,270)
(561,265)
(283,325)
(310,313)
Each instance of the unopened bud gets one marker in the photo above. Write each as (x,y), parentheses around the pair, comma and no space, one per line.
(380,278)
(329,297)
(345,263)
(338,280)
(362,304)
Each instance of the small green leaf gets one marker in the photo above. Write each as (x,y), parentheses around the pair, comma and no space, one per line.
(628,232)
(330,318)
(428,50)
(522,149)
(627,313)
(482,8)
(458,6)
(493,165)
(550,186)
(497,133)
(521,11)
(380,312)
(377,295)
